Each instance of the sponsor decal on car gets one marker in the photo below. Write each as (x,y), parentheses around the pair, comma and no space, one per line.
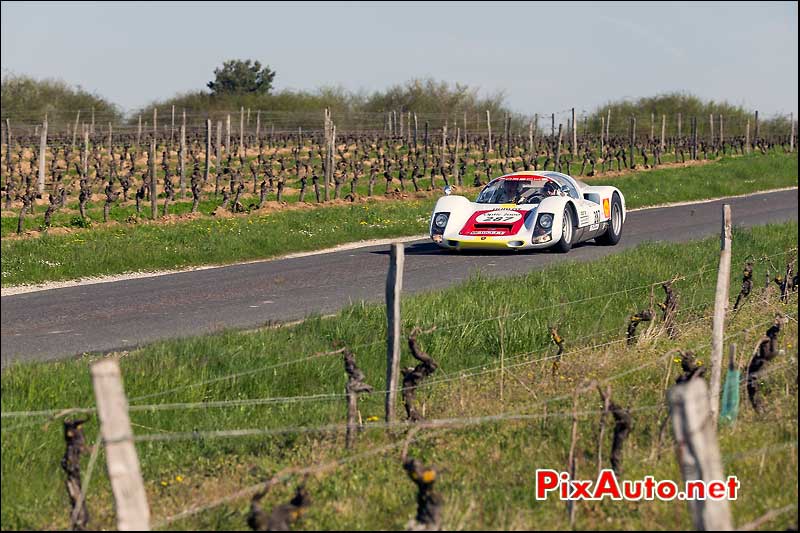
(504,216)
(498,221)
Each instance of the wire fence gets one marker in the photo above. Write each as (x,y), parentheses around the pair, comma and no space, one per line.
(461,373)
(525,410)
(440,328)
(435,428)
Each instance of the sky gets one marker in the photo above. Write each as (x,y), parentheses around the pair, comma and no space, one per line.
(545,57)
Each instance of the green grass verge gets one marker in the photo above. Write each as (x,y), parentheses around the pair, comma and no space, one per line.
(727,177)
(489,468)
(143,247)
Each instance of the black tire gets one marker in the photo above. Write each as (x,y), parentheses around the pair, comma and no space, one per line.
(614,231)
(564,245)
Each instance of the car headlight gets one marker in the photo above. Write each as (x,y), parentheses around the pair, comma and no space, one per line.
(440,220)
(546,220)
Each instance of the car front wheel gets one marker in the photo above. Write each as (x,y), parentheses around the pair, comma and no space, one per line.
(567,232)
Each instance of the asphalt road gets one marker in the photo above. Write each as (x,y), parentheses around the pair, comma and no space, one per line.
(64,322)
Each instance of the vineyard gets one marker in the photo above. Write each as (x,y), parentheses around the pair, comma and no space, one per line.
(230,427)
(238,162)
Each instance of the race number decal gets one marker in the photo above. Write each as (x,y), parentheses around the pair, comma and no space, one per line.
(498,217)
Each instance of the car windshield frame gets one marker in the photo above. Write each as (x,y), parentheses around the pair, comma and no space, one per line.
(492,192)
(563,180)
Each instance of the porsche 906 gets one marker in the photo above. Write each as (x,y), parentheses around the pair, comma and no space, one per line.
(530,210)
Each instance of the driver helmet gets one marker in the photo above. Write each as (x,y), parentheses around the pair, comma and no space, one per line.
(551,188)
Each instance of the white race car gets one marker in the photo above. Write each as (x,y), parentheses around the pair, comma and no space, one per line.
(530,210)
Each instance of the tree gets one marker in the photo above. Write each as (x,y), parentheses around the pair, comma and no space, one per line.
(239,77)
(24,98)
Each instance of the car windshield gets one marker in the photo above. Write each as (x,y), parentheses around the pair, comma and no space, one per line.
(502,191)
(512,191)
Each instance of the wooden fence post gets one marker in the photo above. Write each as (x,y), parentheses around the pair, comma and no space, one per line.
(697,451)
(633,143)
(557,163)
(652,127)
(153,180)
(172,126)
(138,132)
(328,149)
(258,125)
(228,134)
(416,127)
(332,155)
(394,286)
(489,128)
(747,137)
(155,122)
(208,149)
(42,156)
(75,129)
(218,150)
(574,134)
(182,160)
(791,132)
(720,309)
(602,133)
(456,170)
(711,129)
(679,125)
(506,134)
(758,131)
(241,130)
(130,499)
(663,131)
(444,140)
(530,137)
(85,150)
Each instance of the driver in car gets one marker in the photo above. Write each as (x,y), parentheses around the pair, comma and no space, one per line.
(551,188)
(510,191)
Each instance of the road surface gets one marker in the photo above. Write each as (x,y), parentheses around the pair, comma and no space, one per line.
(64,322)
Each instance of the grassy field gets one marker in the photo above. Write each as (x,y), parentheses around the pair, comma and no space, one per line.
(123,247)
(488,465)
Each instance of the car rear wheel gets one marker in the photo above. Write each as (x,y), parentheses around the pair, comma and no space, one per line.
(567,232)
(614,231)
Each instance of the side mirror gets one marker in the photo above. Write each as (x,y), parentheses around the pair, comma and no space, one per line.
(448,190)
